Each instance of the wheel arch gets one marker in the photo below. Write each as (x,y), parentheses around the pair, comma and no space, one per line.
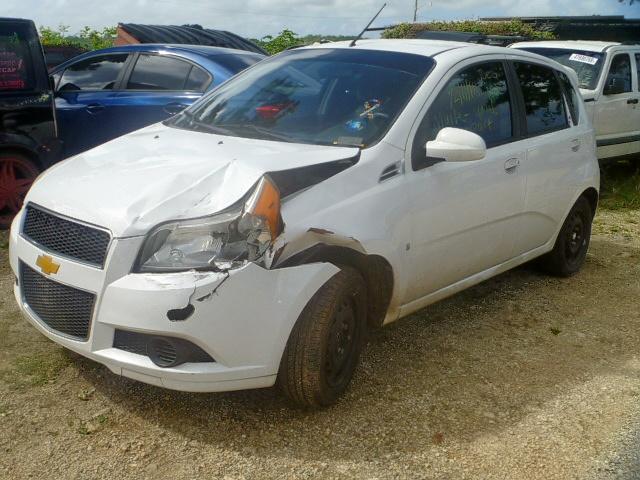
(591,194)
(24,151)
(375,269)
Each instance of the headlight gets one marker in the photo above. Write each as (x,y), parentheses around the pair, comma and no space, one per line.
(240,234)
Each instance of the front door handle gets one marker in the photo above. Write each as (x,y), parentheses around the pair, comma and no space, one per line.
(511,165)
(632,101)
(95,108)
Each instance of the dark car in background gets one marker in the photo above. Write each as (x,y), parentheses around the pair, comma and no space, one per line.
(106,93)
(28,138)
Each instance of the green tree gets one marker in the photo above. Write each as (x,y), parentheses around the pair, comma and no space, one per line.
(286,39)
(510,27)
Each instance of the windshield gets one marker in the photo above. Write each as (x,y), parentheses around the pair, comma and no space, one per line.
(319,96)
(586,64)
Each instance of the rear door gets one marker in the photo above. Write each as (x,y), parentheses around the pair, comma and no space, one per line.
(555,141)
(617,110)
(86,96)
(158,87)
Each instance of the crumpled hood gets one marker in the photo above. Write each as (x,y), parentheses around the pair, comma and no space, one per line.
(159,173)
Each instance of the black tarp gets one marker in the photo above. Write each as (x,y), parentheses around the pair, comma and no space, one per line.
(189,35)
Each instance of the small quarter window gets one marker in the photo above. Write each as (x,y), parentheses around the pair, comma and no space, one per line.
(573,97)
(544,103)
(198,80)
(475,99)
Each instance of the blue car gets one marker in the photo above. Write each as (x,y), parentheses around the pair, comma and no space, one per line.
(104,94)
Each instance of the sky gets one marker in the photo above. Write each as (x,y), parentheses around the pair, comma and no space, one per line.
(256,18)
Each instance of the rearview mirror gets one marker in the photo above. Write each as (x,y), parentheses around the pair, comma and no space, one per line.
(614,86)
(457,145)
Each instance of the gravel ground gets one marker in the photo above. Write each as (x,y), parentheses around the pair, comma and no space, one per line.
(522,377)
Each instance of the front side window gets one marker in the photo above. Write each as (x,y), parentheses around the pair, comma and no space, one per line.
(475,99)
(158,72)
(587,65)
(619,77)
(16,66)
(544,103)
(319,96)
(97,73)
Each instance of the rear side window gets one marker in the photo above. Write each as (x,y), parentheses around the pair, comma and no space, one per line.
(544,104)
(158,72)
(475,99)
(97,73)
(573,97)
(620,72)
(16,66)
(198,80)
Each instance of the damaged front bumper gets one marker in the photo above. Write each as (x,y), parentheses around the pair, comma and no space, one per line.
(242,319)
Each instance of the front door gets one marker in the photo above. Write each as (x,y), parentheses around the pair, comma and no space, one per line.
(616,118)
(86,94)
(465,215)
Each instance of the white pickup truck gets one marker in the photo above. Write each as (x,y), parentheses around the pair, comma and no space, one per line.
(609,80)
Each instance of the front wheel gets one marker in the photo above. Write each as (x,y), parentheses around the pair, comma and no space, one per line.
(17,173)
(570,250)
(324,346)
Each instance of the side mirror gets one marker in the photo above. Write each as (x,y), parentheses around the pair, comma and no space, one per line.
(614,86)
(457,145)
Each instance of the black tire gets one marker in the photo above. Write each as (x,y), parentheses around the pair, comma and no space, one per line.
(324,346)
(17,173)
(570,250)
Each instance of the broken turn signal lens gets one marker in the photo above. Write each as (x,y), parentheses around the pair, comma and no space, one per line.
(265,203)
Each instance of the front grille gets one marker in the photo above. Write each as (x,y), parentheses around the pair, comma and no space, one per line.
(63,309)
(65,237)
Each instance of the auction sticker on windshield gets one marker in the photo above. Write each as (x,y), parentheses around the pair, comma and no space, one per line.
(576,57)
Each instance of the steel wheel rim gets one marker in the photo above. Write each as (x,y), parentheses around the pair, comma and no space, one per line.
(576,238)
(342,343)
(16,177)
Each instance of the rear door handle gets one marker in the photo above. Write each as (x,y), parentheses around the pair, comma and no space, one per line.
(575,145)
(173,108)
(95,108)
(511,165)
(632,101)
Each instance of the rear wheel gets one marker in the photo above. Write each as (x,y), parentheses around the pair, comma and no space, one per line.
(17,173)
(570,250)
(324,347)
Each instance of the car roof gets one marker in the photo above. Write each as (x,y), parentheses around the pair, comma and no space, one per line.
(588,45)
(204,50)
(428,48)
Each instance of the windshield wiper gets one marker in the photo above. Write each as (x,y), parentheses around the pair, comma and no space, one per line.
(262,131)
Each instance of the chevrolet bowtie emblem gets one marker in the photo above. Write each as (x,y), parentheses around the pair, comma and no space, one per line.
(47,265)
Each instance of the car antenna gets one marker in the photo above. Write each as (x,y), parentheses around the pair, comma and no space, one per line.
(353,42)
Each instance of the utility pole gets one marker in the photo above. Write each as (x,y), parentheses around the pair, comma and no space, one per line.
(415,12)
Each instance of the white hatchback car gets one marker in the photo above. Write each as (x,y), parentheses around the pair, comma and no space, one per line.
(256,237)
(609,79)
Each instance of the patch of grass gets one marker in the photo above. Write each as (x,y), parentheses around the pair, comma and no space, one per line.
(38,369)
(621,186)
